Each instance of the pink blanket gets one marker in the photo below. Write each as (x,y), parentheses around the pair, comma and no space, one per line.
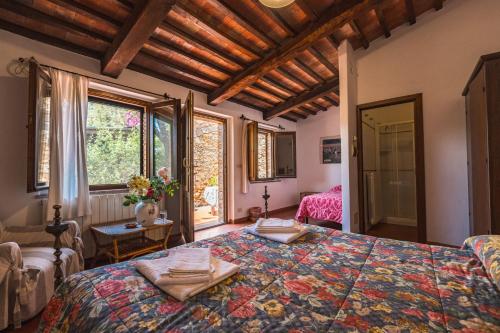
(325,206)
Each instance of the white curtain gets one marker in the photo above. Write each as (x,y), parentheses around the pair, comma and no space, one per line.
(68,185)
(244,156)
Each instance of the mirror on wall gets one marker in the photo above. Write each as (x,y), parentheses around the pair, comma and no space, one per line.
(285,155)
(271,154)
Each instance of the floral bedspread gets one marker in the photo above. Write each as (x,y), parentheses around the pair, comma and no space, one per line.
(326,206)
(327,281)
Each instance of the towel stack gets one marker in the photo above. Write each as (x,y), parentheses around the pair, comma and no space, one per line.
(186,271)
(284,231)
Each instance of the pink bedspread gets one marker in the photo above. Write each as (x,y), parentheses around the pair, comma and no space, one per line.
(325,206)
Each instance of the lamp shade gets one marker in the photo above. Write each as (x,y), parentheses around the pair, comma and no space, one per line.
(276,3)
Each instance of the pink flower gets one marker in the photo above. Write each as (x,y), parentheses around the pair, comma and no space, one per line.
(109,287)
(170,307)
(245,311)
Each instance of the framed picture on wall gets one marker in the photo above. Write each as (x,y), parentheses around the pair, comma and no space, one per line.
(330,150)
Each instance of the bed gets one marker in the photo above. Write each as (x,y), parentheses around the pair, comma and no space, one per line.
(326,206)
(325,281)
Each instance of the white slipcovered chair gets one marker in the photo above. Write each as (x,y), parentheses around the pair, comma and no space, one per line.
(27,269)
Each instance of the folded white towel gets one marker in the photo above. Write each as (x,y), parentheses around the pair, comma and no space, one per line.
(275,223)
(223,270)
(157,270)
(282,237)
(189,260)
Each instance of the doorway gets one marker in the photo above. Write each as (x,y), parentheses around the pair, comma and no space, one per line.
(391,169)
(209,171)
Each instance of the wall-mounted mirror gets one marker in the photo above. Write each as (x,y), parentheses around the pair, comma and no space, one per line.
(286,166)
(271,154)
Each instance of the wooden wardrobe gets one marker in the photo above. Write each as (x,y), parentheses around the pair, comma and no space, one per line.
(482,99)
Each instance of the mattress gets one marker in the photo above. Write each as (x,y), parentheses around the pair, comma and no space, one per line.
(327,281)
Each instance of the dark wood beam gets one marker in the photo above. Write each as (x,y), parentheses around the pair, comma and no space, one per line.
(334,18)
(291,77)
(379,13)
(438,4)
(299,114)
(307,9)
(267,90)
(244,22)
(304,67)
(330,100)
(289,118)
(160,44)
(306,110)
(322,59)
(410,12)
(207,22)
(303,98)
(335,43)
(198,43)
(145,18)
(248,105)
(318,106)
(278,85)
(276,18)
(361,36)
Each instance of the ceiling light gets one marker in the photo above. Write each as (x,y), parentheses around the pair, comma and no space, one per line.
(276,3)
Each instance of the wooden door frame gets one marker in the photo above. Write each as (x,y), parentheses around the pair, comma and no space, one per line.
(223,120)
(419,159)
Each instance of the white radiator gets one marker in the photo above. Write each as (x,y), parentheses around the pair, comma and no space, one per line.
(106,208)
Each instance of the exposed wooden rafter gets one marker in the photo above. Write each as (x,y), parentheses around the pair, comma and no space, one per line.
(334,18)
(302,99)
(361,36)
(438,4)
(145,18)
(322,59)
(379,12)
(410,11)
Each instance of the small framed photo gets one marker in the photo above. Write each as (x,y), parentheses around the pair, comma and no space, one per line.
(330,150)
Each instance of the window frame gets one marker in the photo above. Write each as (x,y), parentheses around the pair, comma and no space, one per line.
(142,107)
(270,156)
(36,73)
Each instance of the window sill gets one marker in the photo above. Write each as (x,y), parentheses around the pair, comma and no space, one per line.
(265,181)
(110,191)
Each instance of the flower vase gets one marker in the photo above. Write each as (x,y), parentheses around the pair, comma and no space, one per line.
(147,212)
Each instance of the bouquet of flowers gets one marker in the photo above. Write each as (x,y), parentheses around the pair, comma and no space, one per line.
(153,189)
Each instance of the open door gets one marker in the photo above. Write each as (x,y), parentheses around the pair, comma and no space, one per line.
(164,151)
(186,158)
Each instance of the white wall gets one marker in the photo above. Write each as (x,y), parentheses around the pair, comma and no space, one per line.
(20,208)
(435,57)
(312,175)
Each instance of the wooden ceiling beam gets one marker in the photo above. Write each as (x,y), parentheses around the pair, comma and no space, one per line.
(438,4)
(361,36)
(155,42)
(291,77)
(333,41)
(208,22)
(307,9)
(330,100)
(318,106)
(410,12)
(77,6)
(299,63)
(306,110)
(248,105)
(197,42)
(257,85)
(334,18)
(322,59)
(244,22)
(303,98)
(276,18)
(278,85)
(298,114)
(145,18)
(379,13)
(288,118)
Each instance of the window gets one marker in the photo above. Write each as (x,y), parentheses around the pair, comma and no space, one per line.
(38,128)
(114,142)
(125,136)
(265,154)
(162,143)
(271,154)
